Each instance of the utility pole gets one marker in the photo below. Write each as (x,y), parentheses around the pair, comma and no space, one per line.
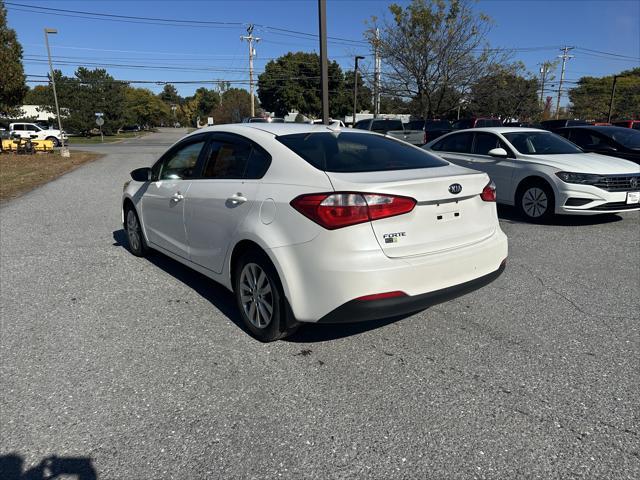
(252,52)
(64,151)
(376,76)
(355,89)
(613,94)
(324,66)
(543,75)
(565,56)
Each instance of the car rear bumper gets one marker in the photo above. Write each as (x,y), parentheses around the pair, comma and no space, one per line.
(332,270)
(360,311)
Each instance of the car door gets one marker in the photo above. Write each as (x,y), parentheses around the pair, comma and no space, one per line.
(222,197)
(500,170)
(455,148)
(34,132)
(20,130)
(163,200)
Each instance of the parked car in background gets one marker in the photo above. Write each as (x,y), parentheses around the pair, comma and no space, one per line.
(553,125)
(432,128)
(255,120)
(318,121)
(33,131)
(542,173)
(393,128)
(476,122)
(613,141)
(304,223)
(635,124)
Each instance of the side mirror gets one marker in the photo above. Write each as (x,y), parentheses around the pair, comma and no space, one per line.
(498,152)
(141,174)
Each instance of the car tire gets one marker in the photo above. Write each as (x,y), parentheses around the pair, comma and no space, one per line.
(260,298)
(136,242)
(56,142)
(535,201)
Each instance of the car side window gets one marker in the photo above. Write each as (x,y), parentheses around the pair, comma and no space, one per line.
(457,143)
(485,142)
(18,127)
(181,163)
(32,128)
(259,162)
(228,159)
(379,126)
(362,125)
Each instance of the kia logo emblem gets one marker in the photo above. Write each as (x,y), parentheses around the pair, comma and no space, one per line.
(455,188)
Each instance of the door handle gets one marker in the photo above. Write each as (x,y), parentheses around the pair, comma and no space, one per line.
(176,197)
(236,199)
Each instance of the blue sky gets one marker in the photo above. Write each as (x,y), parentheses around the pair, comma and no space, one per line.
(216,52)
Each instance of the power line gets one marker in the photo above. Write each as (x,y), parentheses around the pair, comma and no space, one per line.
(168,22)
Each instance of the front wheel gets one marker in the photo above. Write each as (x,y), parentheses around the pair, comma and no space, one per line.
(137,244)
(536,202)
(260,298)
(54,140)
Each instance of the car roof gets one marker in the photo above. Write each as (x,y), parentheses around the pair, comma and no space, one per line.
(276,129)
(598,128)
(501,130)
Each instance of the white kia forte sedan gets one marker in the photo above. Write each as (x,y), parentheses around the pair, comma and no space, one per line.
(541,173)
(313,223)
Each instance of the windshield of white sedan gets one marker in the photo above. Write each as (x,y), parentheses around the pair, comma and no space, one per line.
(540,143)
(357,152)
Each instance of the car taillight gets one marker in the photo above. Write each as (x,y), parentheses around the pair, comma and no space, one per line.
(426,136)
(489,193)
(343,209)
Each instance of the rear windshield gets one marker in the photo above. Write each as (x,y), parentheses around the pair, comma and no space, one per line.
(540,143)
(357,152)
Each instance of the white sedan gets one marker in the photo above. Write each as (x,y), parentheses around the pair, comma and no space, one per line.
(541,173)
(312,223)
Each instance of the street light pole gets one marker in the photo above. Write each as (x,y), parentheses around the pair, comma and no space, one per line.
(355,89)
(52,31)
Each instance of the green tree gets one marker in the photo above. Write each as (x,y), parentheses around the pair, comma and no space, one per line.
(292,82)
(432,48)
(235,104)
(144,108)
(85,94)
(505,93)
(591,97)
(201,105)
(12,79)
(169,95)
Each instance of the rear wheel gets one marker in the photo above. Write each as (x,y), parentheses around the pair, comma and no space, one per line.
(137,244)
(260,298)
(535,201)
(54,140)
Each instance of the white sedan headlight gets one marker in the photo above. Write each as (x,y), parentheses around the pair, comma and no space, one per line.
(581,178)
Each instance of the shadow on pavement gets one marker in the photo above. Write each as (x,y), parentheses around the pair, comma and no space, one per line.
(224,301)
(511,215)
(50,468)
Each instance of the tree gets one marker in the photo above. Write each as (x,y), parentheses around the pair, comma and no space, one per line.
(169,95)
(505,93)
(235,104)
(144,108)
(12,79)
(82,96)
(200,105)
(432,48)
(292,82)
(591,97)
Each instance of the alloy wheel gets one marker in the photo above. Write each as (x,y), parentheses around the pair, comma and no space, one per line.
(256,295)
(133,231)
(535,202)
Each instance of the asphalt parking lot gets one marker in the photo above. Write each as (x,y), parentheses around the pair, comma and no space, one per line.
(137,368)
